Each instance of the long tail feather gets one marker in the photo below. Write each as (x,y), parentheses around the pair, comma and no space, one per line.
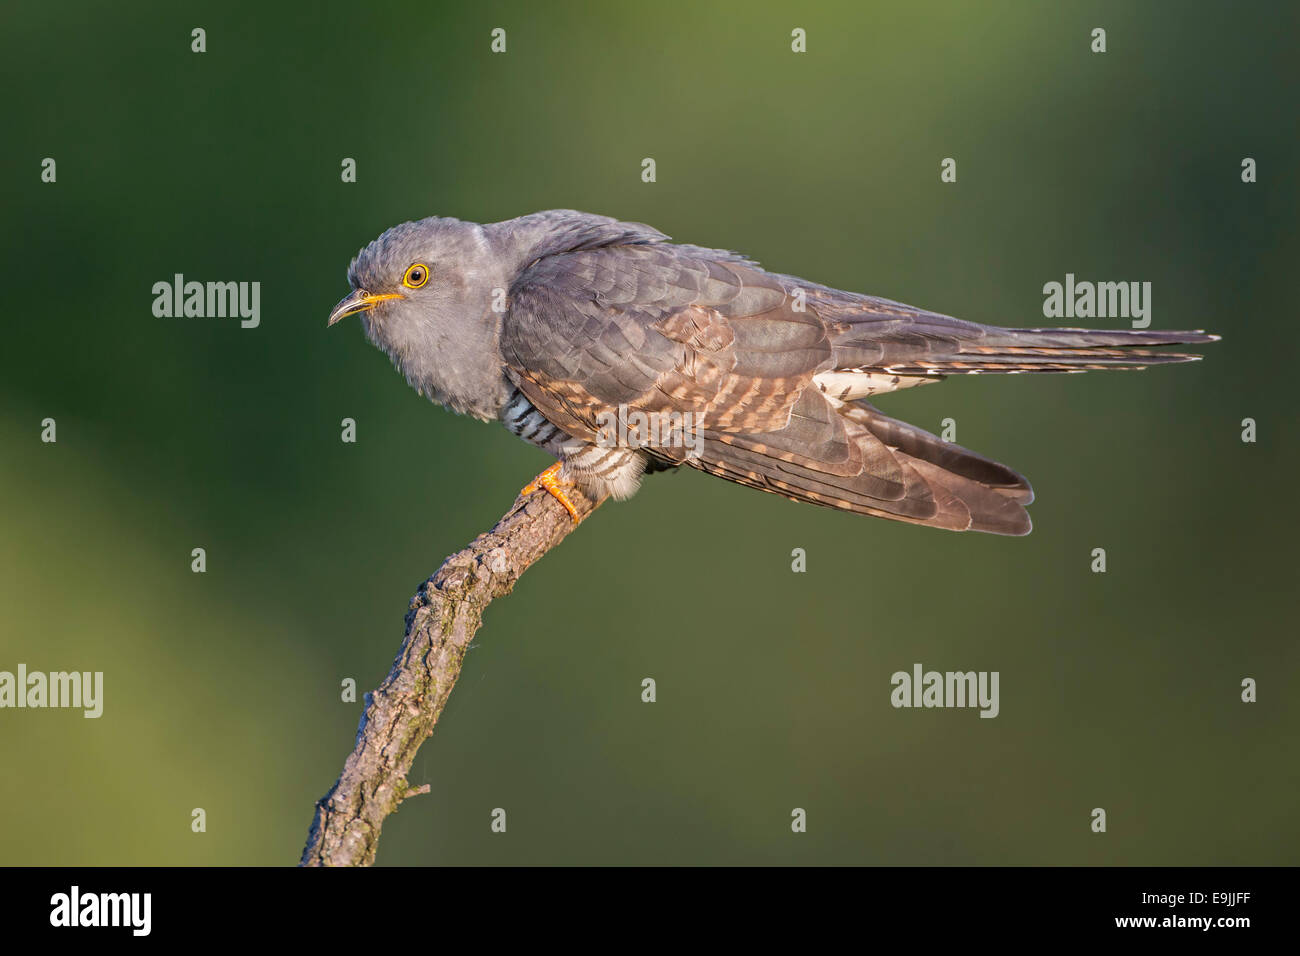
(1007,351)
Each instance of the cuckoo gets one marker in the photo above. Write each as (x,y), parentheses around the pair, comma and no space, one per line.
(620,352)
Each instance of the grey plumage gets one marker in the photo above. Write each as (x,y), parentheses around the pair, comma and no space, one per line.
(553,322)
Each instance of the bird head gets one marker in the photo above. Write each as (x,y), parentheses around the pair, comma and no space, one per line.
(425,292)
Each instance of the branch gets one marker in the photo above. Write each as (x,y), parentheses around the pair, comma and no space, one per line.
(443,618)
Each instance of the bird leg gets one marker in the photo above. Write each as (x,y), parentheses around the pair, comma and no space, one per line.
(550,481)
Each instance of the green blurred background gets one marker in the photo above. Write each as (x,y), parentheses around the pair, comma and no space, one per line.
(1118,690)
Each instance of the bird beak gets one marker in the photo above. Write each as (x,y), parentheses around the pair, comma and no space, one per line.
(359,301)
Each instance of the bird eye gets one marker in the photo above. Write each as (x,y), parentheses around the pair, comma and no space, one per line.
(416,276)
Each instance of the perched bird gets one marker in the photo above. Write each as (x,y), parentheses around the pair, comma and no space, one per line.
(567,327)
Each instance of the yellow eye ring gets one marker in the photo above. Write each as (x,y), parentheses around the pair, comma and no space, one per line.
(416,276)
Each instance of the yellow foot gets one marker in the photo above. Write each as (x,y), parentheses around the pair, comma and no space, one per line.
(550,481)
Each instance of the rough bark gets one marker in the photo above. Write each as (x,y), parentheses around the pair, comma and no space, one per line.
(401,714)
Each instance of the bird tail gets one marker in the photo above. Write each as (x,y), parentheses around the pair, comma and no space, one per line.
(1008,351)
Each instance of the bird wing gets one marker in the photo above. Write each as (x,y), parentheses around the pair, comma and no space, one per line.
(668,329)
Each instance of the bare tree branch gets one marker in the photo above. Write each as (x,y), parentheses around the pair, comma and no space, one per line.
(443,618)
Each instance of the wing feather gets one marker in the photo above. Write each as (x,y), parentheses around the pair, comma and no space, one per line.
(669,329)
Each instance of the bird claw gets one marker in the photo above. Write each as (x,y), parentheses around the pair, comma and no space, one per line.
(551,482)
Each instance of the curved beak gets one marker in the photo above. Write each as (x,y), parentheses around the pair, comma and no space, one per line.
(359,301)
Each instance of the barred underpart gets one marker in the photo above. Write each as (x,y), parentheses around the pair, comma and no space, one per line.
(597,470)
